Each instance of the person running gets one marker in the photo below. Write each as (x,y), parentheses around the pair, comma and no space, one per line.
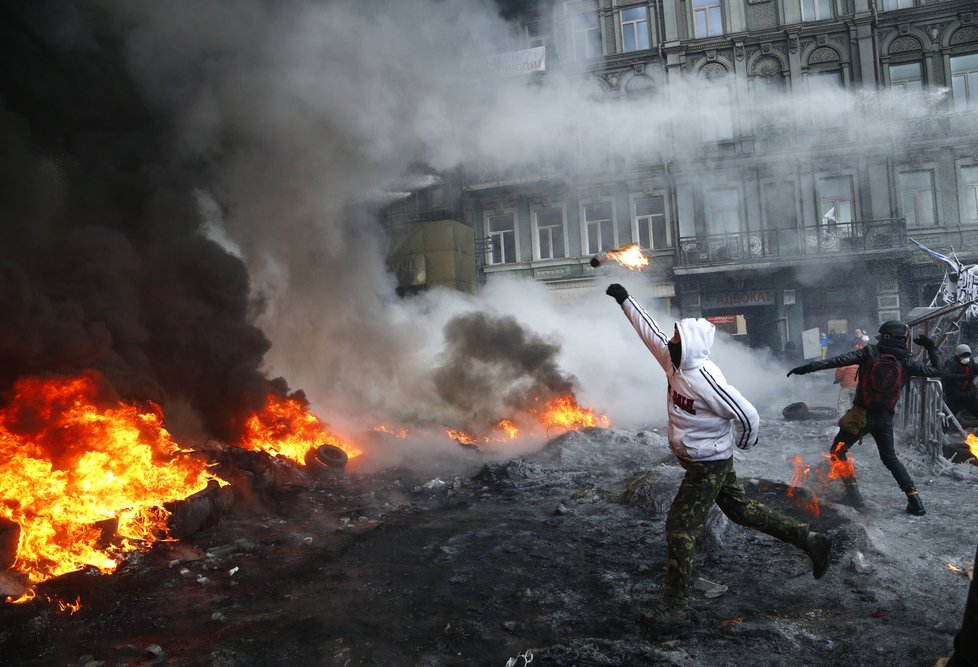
(884,369)
(707,417)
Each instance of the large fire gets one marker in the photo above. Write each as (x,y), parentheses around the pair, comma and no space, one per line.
(286,428)
(85,476)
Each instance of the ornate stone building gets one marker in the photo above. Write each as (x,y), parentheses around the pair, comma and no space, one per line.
(773,224)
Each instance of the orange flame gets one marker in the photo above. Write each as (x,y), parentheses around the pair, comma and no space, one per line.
(85,476)
(802,470)
(839,469)
(286,428)
(402,432)
(564,412)
(972,441)
(461,436)
(630,256)
(509,428)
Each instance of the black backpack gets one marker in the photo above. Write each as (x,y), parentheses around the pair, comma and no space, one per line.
(880,382)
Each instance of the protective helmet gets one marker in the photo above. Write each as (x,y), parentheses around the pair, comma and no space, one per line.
(893,329)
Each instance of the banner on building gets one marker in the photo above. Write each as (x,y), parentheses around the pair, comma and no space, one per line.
(503,65)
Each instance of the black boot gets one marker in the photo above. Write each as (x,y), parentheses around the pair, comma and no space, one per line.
(914,504)
(853,498)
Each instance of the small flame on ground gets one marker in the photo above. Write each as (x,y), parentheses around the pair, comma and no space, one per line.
(953,568)
(461,436)
(402,432)
(837,469)
(630,256)
(802,470)
(972,441)
(85,477)
(65,606)
(286,428)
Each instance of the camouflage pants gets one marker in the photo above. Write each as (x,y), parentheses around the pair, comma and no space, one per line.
(707,482)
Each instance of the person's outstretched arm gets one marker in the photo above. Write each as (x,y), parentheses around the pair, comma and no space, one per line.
(650,333)
(847,359)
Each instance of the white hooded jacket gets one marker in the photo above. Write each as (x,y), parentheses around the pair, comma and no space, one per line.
(706,415)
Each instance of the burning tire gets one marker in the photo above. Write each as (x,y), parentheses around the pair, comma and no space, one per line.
(327,458)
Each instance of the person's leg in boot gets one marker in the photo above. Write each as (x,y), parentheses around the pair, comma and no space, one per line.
(845,469)
(733,501)
(881,427)
(684,523)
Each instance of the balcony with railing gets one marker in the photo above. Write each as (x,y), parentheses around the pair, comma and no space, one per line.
(866,238)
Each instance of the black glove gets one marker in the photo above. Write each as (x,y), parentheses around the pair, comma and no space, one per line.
(800,370)
(618,292)
(924,341)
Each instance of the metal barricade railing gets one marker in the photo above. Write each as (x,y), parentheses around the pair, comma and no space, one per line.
(920,416)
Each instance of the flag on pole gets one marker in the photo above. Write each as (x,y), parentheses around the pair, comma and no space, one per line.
(940,259)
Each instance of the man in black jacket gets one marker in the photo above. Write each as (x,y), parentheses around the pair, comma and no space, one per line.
(884,368)
(960,371)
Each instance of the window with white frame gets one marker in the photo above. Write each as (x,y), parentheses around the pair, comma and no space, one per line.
(890,5)
(724,211)
(650,218)
(835,200)
(917,198)
(964,80)
(550,233)
(707,18)
(969,195)
(587,36)
(502,233)
(907,77)
(600,226)
(635,35)
(816,10)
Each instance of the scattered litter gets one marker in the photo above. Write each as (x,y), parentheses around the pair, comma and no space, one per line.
(561,509)
(877,613)
(730,622)
(233,571)
(218,617)
(858,562)
(710,589)
(154,650)
(433,484)
(526,657)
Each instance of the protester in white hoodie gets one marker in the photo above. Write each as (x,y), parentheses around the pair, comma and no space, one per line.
(706,417)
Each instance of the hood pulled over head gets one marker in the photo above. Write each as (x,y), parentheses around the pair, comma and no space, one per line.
(696,336)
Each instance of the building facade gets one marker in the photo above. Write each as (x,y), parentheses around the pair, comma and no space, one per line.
(764,239)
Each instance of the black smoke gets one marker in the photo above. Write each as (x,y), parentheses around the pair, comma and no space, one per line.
(101,263)
(493,367)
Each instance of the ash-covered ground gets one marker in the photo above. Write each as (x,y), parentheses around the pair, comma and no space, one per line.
(479,558)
